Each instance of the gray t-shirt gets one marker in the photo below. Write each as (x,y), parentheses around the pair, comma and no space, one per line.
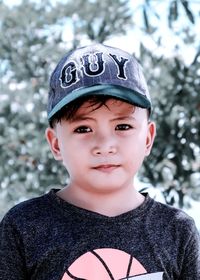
(46,238)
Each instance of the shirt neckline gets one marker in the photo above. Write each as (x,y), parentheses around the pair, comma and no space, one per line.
(69,209)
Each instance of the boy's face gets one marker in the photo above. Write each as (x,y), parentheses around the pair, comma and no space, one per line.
(103,148)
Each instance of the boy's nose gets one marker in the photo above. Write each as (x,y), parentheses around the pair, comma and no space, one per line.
(104,150)
(104,146)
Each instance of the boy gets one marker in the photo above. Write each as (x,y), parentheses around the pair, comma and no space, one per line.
(99,227)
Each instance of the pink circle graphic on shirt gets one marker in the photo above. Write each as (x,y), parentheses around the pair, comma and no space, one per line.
(105,264)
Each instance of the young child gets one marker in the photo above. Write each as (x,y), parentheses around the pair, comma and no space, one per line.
(99,227)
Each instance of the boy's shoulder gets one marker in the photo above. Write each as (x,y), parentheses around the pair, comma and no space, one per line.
(28,210)
(170,217)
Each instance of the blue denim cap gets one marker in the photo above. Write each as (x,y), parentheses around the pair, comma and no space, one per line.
(97,70)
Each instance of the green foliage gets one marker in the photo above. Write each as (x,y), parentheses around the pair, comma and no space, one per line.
(34,35)
(101,19)
(174,164)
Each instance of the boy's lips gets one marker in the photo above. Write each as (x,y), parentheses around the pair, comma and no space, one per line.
(106,167)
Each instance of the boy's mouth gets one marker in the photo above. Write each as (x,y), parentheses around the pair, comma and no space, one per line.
(106,167)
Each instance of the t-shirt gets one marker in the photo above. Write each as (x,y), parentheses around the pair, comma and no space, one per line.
(47,238)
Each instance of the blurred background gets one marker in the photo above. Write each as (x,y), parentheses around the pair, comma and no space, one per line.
(164,35)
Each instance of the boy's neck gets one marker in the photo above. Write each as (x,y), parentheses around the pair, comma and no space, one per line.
(112,204)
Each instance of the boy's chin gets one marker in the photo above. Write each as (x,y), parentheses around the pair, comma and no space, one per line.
(108,186)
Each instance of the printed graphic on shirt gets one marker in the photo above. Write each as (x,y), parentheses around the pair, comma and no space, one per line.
(108,264)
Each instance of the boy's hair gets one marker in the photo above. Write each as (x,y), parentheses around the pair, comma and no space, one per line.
(68,112)
(96,70)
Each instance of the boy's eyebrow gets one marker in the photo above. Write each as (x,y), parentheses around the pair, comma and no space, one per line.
(121,118)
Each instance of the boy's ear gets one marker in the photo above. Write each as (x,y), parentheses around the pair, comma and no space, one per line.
(52,139)
(150,137)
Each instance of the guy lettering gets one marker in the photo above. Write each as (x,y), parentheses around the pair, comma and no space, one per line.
(120,65)
(99,64)
(68,75)
(93,65)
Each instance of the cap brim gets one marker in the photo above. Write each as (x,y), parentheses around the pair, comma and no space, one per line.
(127,95)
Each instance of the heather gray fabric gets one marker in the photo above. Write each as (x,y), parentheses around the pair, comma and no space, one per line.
(47,238)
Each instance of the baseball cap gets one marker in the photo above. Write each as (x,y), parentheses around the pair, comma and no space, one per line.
(97,70)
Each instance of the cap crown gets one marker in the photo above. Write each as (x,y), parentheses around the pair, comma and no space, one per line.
(95,65)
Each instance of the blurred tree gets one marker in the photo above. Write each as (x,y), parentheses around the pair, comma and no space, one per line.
(174,164)
(34,35)
(100,20)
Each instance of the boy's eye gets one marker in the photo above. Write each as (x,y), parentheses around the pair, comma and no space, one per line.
(82,129)
(123,127)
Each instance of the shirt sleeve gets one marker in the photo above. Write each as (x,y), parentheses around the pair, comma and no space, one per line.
(191,264)
(12,260)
